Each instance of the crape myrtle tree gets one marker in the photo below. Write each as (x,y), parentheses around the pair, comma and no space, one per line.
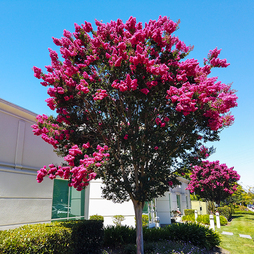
(213,181)
(131,109)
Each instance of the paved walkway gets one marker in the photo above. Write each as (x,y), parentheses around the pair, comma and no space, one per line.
(241,235)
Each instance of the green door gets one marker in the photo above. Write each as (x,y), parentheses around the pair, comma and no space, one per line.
(67,202)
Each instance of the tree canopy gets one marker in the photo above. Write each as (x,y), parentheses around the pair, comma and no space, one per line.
(213,181)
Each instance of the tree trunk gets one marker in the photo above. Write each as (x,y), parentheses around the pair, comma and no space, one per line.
(138,207)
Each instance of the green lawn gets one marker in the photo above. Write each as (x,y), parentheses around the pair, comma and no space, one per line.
(241,224)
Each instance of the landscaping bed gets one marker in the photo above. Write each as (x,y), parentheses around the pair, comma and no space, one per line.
(90,237)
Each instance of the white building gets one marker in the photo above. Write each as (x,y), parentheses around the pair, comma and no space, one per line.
(24,201)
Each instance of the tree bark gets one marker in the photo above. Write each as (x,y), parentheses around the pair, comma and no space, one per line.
(138,207)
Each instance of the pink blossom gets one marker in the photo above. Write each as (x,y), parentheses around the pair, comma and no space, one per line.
(158,120)
(37,72)
(144,91)
(86,146)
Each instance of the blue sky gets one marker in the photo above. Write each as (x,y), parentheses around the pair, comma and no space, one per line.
(26,34)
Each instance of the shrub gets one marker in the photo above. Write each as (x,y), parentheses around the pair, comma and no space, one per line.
(225,211)
(96,217)
(154,234)
(196,234)
(145,220)
(57,238)
(190,232)
(189,211)
(119,235)
(118,219)
(190,217)
(223,221)
(38,238)
(204,219)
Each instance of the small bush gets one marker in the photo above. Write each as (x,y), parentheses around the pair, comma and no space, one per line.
(96,217)
(39,238)
(204,219)
(58,238)
(117,219)
(223,221)
(145,220)
(189,218)
(189,211)
(225,211)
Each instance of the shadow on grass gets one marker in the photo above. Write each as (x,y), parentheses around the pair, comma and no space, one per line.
(236,216)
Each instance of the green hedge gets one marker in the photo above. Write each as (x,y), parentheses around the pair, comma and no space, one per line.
(243,212)
(58,238)
(119,235)
(195,234)
(87,236)
(204,219)
(189,211)
(74,237)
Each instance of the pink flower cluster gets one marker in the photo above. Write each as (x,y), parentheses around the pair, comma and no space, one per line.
(214,60)
(50,132)
(124,46)
(80,175)
(213,176)
(204,152)
(125,85)
(160,121)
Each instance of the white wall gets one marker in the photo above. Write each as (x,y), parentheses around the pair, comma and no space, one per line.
(106,208)
(164,208)
(22,199)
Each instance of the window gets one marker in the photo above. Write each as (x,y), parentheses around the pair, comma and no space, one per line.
(150,210)
(67,202)
(145,209)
